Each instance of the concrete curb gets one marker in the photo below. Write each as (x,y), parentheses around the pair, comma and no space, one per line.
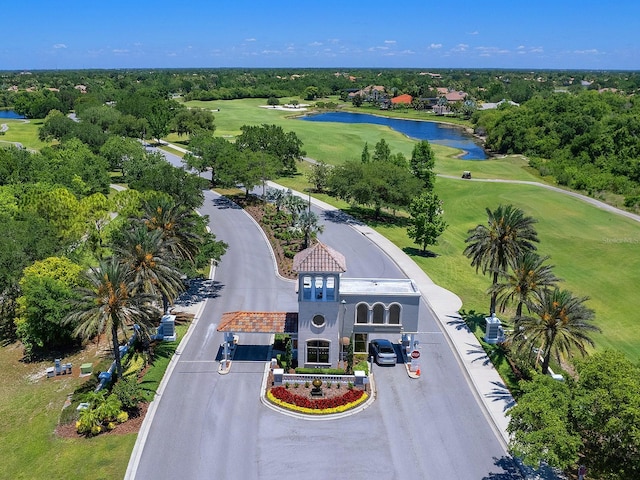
(138,447)
(482,377)
(315,418)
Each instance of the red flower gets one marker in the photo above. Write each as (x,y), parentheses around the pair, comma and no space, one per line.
(285,395)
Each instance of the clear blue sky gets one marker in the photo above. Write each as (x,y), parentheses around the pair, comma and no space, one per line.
(72,34)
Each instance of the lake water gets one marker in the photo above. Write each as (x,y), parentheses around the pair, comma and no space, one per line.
(9,114)
(434,132)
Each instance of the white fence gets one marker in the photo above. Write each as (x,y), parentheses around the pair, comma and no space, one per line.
(301,379)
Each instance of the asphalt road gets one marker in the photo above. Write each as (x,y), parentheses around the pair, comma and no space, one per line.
(211,426)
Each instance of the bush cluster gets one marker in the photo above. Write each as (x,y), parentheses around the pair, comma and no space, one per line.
(104,413)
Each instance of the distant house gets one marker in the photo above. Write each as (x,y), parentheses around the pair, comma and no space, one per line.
(455,96)
(427,103)
(491,106)
(371,93)
(81,88)
(405,99)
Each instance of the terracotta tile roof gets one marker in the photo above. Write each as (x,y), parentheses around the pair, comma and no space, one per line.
(319,258)
(406,98)
(455,96)
(259,322)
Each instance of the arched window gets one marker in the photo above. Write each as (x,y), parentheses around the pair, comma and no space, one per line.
(394,314)
(378,313)
(318,281)
(306,287)
(362,313)
(318,351)
(331,288)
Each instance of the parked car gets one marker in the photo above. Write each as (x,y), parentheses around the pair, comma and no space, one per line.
(383,352)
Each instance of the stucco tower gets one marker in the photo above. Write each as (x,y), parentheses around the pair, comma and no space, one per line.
(319,268)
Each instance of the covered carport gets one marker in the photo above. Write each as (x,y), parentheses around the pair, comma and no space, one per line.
(233,323)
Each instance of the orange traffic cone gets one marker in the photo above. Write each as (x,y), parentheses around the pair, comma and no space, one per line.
(418,372)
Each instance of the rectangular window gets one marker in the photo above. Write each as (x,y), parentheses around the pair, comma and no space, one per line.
(317,351)
(360,343)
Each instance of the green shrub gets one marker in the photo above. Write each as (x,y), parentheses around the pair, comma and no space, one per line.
(362,365)
(320,371)
(109,409)
(87,420)
(129,392)
(122,417)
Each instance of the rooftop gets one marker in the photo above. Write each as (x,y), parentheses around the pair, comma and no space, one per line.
(319,258)
(378,286)
(259,322)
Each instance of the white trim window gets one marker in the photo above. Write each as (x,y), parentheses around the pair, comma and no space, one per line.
(378,314)
(318,351)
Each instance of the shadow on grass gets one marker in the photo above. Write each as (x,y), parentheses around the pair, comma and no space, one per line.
(474,320)
(417,252)
(384,219)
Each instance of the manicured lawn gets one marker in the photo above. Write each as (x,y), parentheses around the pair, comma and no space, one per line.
(24,133)
(330,142)
(30,405)
(595,252)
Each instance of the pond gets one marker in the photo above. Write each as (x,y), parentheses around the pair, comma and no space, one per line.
(434,132)
(10,114)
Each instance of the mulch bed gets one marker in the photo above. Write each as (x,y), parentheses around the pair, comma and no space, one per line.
(301,390)
(130,426)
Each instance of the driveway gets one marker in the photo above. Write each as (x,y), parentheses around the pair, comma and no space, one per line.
(213,426)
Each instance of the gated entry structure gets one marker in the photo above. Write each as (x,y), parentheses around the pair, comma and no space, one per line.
(334,311)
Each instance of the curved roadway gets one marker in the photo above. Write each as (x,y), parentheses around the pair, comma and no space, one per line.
(212,426)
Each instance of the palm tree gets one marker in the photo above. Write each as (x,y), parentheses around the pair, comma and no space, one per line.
(559,324)
(177,223)
(308,222)
(152,262)
(527,276)
(491,247)
(108,305)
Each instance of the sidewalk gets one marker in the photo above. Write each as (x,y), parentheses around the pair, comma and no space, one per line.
(491,392)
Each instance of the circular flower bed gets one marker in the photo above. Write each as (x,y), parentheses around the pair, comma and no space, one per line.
(283,397)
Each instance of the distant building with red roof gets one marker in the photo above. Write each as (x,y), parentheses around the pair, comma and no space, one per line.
(402,99)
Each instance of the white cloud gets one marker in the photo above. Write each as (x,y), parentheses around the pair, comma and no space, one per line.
(435,46)
(59,45)
(461,47)
(249,39)
(591,51)
(120,51)
(374,49)
(390,41)
(315,44)
(473,33)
